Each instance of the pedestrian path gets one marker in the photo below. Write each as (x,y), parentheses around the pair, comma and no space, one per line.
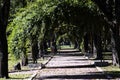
(70,65)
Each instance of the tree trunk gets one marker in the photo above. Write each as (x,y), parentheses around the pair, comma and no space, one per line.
(24,54)
(35,51)
(4,14)
(115,40)
(3,54)
(98,45)
(111,8)
(24,61)
(79,42)
(115,34)
(76,44)
(86,42)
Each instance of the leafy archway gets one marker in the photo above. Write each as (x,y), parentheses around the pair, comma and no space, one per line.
(41,20)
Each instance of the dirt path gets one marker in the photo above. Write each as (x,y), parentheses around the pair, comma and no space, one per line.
(70,65)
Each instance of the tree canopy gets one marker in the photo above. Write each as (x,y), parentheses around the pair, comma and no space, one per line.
(42,19)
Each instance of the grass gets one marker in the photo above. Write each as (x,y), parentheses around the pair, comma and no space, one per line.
(107,55)
(111,70)
(17,77)
(11,64)
(12,61)
(67,47)
(62,47)
(2,79)
(20,76)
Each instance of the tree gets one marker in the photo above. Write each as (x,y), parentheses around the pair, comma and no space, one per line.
(111,10)
(51,19)
(4,14)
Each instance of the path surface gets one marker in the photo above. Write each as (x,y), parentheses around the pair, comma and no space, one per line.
(70,65)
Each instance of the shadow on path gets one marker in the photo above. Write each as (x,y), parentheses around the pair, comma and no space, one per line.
(86,76)
(76,66)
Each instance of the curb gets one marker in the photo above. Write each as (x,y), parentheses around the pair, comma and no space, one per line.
(32,76)
(99,69)
(41,67)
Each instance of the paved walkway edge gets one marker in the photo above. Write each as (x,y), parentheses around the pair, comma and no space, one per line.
(42,66)
(99,69)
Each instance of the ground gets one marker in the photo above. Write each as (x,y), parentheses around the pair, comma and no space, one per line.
(70,65)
